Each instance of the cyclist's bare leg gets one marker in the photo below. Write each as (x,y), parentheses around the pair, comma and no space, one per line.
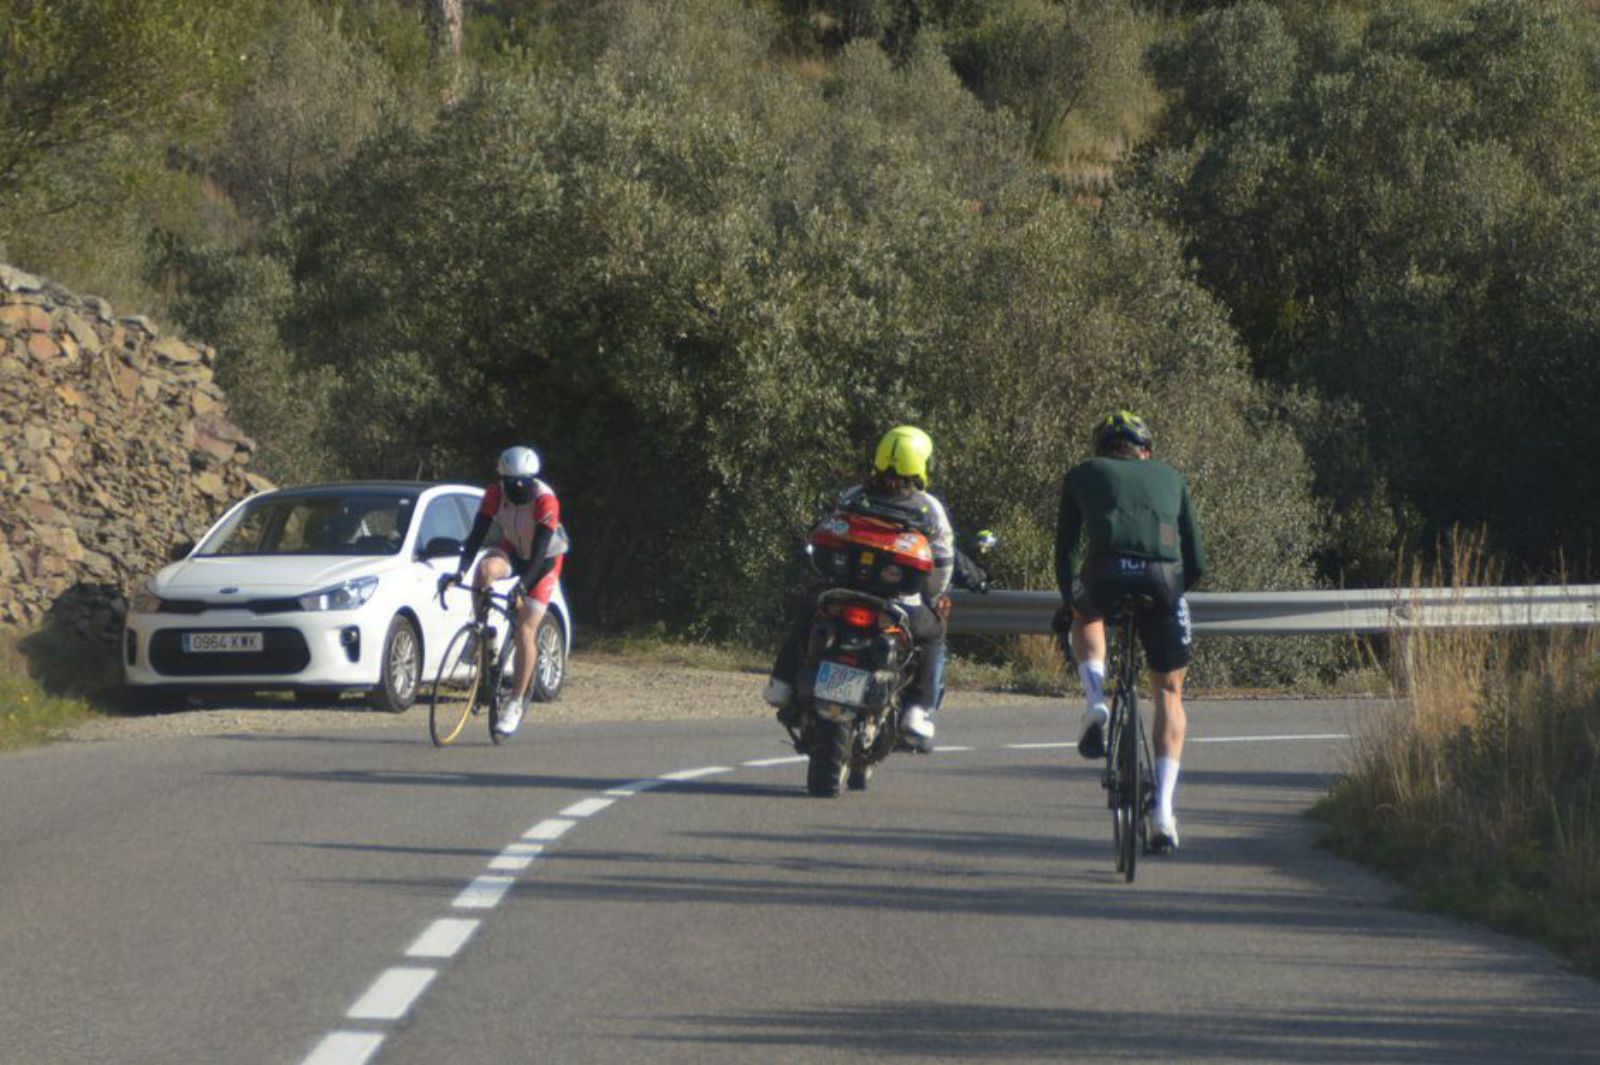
(1089,651)
(529,614)
(1171,723)
(494,567)
(1169,729)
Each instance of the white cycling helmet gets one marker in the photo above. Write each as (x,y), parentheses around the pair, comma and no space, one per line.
(518,462)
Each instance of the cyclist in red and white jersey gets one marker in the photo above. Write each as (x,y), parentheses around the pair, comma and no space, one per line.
(532,547)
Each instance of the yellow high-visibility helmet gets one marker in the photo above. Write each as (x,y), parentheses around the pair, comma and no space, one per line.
(904,450)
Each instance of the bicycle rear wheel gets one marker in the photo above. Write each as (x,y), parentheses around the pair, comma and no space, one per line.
(456,688)
(1112,780)
(1130,806)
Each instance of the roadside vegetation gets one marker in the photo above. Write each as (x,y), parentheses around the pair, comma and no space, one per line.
(48,683)
(1479,787)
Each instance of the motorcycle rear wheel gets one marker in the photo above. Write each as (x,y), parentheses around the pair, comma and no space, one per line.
(830,759)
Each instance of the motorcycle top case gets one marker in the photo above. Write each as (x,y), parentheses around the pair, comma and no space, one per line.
(871,554)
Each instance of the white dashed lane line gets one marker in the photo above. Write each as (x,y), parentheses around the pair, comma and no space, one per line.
(346,1048)
(392,994)
(396,990)
(443,938)
(484,893)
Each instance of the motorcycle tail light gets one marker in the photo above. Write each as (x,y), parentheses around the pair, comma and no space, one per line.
(859,616)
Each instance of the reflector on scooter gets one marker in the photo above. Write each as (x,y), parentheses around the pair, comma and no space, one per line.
(859,616)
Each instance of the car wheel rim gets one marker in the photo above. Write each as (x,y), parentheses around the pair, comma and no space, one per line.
(550,657)
(403,664)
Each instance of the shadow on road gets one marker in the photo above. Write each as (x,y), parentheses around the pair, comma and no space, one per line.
(1443,1031)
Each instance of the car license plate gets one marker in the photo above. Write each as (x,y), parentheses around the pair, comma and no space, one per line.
(210,642)
(842,684)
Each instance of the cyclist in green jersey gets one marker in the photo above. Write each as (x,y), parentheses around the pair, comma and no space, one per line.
(1142,539)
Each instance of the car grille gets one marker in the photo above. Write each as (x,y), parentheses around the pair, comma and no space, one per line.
(283,651)
(255,606)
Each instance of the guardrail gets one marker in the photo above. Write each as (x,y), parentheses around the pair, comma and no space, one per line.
(1318,612)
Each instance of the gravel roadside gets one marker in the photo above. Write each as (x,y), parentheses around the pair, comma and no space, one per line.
(598,688)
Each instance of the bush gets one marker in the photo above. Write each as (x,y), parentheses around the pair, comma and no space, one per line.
(703,287)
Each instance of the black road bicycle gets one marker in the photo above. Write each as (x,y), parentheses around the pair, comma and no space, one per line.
(1128,779)
(475,673)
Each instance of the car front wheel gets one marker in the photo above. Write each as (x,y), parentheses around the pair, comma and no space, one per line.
(551,671)
(400,668)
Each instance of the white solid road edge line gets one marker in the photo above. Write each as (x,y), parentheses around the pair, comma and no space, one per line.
(391,994)
(587,807)
(345,1048)
(633,787)
(1271,739)
(696,774)
(549,829)
(443,938)
(516,857)
(766,763)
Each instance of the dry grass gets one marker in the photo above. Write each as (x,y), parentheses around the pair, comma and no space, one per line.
(1480,788)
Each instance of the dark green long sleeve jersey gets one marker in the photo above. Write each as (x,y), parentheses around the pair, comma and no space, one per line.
(1137,507)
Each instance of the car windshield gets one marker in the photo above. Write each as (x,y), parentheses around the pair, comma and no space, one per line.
(323,523)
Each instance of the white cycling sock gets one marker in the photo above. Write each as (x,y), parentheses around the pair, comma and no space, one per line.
(1093,675)
(1166,785)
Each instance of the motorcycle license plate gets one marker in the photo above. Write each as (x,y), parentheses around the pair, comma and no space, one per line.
(838,683)
(214,642)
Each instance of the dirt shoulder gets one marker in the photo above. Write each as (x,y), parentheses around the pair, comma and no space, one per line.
(599,688)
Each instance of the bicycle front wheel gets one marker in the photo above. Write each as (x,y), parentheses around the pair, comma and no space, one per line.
(498,688)
(456,688)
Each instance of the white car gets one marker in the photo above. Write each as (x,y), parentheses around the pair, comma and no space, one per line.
(320,589)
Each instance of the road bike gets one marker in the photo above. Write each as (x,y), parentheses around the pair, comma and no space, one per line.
(1128,779)
(475,674)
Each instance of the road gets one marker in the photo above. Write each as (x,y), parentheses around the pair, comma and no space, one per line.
(351,896)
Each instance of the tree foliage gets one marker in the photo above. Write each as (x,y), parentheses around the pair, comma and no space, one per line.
(1399,211)
(75,75)
(702,287)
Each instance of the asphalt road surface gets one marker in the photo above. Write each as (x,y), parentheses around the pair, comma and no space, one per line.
(664,892)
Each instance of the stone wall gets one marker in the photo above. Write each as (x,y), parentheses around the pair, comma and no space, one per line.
(115,444)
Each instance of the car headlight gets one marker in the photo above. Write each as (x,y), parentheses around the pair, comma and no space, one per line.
(346,596)
(144,601)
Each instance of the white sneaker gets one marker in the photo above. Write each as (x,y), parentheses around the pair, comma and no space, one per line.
(1163,833)
(510,716)
(917,727)
(778,692)
(1092,731)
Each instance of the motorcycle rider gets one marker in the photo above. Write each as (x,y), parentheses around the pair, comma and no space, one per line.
(532,547)
(899,479)
(1143,539)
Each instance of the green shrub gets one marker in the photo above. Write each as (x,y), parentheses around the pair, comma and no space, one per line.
(704,287)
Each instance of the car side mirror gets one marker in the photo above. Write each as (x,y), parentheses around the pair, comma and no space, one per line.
(441,547)
(180,551)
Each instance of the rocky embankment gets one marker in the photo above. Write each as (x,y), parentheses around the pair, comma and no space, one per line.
(115,444)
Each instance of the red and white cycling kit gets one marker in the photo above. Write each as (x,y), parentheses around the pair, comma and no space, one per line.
(520,527)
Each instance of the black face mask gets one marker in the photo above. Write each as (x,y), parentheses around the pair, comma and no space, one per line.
(518,490)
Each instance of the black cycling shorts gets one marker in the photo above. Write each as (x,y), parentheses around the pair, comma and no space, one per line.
(1164,628)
